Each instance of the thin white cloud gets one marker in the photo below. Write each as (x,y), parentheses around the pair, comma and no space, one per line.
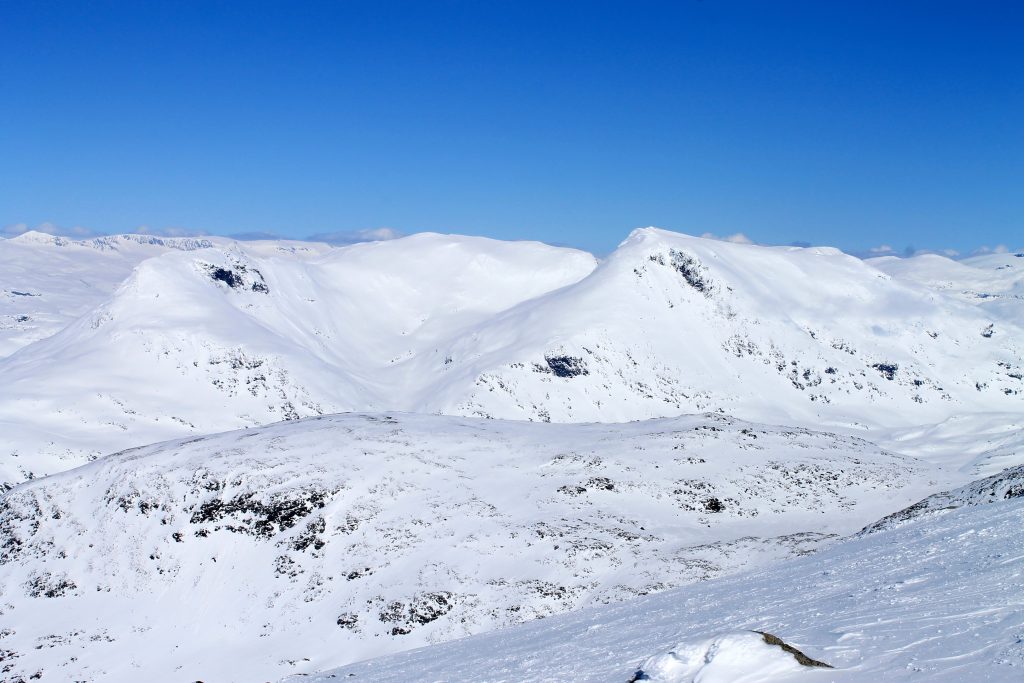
(998,249)
(736,238)
(354,236)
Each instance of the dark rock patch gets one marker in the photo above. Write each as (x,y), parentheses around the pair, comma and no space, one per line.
(263,518)
(566,366)
(421,609)
(713,505)
(226,276)
(799,656)
(887,370)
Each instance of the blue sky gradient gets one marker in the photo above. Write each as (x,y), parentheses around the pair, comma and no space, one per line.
(850,124)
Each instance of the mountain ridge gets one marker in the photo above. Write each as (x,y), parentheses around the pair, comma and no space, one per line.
(223,337)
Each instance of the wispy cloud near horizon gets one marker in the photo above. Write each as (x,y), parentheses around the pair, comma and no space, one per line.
(344,237)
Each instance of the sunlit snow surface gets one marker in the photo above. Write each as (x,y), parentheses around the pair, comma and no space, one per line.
(243,334)
(263,552)
(310,544)
(939,599)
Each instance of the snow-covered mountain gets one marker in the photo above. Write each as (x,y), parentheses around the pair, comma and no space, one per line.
(993,281)
(241,335)
(47,281)
(312,543)
(309,544)
(935,599)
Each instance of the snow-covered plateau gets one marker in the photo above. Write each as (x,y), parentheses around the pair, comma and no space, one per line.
(244,461)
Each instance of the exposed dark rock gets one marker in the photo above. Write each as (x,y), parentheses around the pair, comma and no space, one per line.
(566,366)
(261,518)
(49,586)
(235,277)
(797,654)
(887,370)
(348,620)
(692,271)
(713,505)
(422,609)
(226,276)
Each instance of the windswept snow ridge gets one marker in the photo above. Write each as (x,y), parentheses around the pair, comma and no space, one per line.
(315,543)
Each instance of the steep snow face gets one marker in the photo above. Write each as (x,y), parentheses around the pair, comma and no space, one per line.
(937,599)
(46,281)
(244,335)
(315,543)
(248,334)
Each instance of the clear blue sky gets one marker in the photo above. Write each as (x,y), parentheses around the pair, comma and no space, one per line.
(844,123)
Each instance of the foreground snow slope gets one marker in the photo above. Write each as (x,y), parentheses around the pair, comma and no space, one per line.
(257,553)
(229,337)
(937,599)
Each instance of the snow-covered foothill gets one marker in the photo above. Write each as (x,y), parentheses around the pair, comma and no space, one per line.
(936,599)
(309,544)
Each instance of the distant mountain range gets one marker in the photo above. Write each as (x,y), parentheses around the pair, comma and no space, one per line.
(133,339)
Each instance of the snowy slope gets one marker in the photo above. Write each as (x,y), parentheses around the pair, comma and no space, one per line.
(244,335)
(669,324)
(994,282)
(937,599)
(47,281)
(978,444)
(1005,485)
(258,553)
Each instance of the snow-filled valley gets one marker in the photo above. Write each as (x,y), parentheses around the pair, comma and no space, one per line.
(241,461)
